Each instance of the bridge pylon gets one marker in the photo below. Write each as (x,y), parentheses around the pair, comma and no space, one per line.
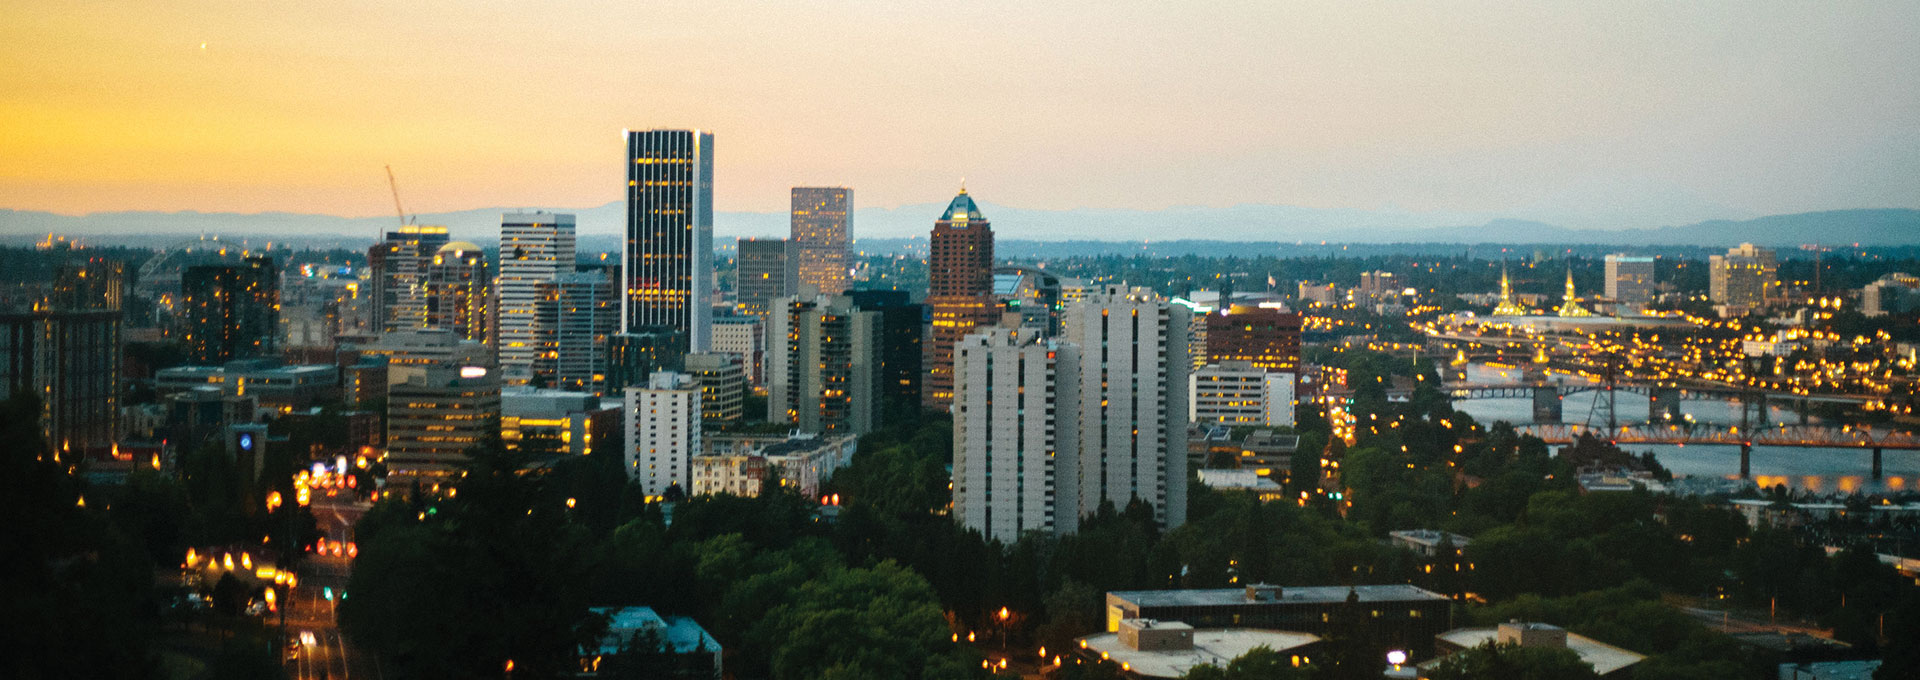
(1546,404)
(1663,404)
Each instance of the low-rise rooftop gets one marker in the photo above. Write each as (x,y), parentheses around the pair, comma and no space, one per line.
(1216,646)
(680,633)
(1603,657)
(1398,592)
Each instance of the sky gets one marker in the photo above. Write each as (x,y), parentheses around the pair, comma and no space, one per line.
(1589,115)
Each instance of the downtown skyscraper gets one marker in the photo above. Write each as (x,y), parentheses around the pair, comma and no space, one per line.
(535,248)
(959,290)
(460,292)
(822,228)
(765,268)
(400,267)
(667,261)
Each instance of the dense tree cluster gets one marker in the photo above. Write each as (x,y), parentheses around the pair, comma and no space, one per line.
(876,580)
(1497,661)
(86,569)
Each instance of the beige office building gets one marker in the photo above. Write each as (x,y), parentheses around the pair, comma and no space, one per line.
(822,228)
(1746,275)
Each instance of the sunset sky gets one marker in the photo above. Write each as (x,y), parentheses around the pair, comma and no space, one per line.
(1603,114)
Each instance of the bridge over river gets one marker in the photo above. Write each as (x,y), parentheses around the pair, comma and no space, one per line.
(1803,436)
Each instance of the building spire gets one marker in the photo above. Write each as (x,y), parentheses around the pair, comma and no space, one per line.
(1570,304)
(963,186)
(1507,307)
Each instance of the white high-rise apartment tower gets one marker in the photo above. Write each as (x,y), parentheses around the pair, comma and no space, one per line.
(534,248)
(1132,400)
(663,432)
(1014,437)
(1045,432)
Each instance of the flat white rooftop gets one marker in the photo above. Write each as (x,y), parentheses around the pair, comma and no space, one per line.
(1216,646)
(1604,657)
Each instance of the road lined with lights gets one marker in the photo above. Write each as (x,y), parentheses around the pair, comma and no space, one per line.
(323,652)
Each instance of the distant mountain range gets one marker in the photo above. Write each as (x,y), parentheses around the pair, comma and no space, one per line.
(1246,223)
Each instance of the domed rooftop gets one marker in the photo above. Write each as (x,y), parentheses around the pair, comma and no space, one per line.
(458,247)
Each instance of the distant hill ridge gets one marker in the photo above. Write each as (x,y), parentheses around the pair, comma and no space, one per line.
(1251,223)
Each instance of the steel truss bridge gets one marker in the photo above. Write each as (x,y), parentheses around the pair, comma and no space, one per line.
(1527,391)
(1803,436)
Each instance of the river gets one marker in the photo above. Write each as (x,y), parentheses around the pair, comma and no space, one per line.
(1819,470)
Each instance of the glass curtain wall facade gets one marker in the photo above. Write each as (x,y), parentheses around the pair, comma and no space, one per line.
(821,229)
(667,261)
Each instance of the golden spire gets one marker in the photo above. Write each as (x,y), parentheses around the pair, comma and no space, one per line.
(1570,305)
(1507,307)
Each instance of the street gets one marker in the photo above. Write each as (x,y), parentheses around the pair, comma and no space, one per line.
(325,654)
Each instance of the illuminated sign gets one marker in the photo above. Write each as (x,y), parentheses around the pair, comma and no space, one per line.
(473,371)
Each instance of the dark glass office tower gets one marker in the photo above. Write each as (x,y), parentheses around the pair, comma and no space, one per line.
(231,312)
(901,322)
(668,259)
(766,273)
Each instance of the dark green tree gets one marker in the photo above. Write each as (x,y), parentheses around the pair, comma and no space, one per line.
(1496,661)
(1260,663)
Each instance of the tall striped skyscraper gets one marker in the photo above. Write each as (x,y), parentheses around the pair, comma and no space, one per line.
(667,261)
(822,227)
(534,248)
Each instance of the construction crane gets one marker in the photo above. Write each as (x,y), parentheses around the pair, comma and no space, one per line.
(395,185)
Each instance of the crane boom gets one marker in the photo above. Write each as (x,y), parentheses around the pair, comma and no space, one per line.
(395,185)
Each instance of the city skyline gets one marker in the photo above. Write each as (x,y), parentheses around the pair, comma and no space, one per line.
(1592,117)
(1312,340)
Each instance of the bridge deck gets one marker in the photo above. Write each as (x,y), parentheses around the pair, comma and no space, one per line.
(1809,436)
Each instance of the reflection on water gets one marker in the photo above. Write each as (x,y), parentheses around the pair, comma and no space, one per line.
(1819,470)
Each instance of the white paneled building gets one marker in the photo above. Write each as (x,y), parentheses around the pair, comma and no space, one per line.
(534,248)
(1133,400)
(1014,455)
(1051,431)
(742,336)
(1237,393)
(663,432)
